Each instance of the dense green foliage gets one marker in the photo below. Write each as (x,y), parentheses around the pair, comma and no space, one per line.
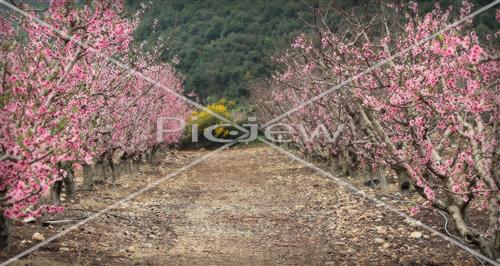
(223,46)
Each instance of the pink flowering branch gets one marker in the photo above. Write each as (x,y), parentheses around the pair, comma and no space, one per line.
(428,116)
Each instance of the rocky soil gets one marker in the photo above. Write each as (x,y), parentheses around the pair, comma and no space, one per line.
(246,206)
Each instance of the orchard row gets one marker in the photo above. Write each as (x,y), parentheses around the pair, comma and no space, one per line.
(65,102)
(429,115)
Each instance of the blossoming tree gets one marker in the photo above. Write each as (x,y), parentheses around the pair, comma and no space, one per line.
(62,104)
(431,115)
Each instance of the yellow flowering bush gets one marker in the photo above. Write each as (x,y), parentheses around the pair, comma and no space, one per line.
(203,119)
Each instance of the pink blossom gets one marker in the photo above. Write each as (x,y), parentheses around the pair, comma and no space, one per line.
(475,54)
(49,121)
(429,193)
(414,211)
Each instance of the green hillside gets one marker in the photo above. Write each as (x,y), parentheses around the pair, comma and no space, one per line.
(222,45)
(225,45)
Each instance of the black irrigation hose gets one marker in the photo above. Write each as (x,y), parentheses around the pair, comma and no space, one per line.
(445,224)
(456,237)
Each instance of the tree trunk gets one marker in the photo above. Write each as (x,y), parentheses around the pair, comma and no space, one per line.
(155,155)
(403,178)
(379,173)
(349,164)
(333,163)
(4,231)
(114,171)
(128,166)
(88,177)
(136,164)
(99,172)
(4,225)
(69,185)
(55,192)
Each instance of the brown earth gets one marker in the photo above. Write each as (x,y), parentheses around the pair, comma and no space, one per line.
(246,206)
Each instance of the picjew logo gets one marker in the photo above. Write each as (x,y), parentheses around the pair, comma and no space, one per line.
(279,132)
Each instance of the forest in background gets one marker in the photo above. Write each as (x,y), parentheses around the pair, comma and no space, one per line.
(224,46)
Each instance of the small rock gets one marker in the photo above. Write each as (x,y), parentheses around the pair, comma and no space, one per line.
(413,223)
(380,229)
(38,237)
(131,249)
(350,250)
(416,234)
(90,230)
(63,249)
(386,245)
(29,220)
(379,240)
(98,259)
(299,207)
(148,245)
(151,236)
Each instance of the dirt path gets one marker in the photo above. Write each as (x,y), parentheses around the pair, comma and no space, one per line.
(246,206)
